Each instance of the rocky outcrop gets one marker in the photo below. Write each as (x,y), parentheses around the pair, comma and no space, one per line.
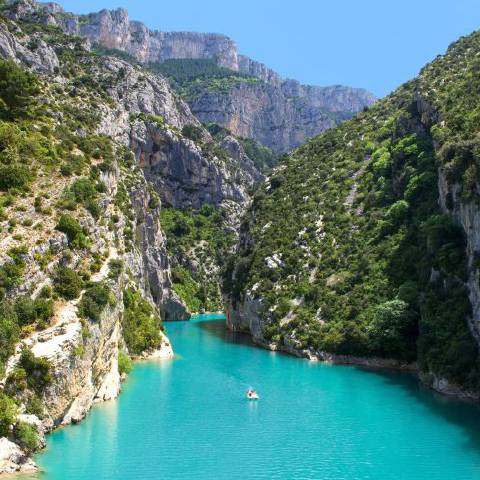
(13,459)
(280,117)
(42,59)
(149,262)
(113,29)
(184,174)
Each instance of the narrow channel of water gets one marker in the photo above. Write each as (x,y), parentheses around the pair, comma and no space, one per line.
(188,419)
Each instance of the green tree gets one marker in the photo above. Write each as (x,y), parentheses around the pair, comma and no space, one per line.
(18,89)
(393,329)
(9,331)
(8,412)
(68,284)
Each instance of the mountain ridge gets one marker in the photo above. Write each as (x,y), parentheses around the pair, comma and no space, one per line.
(285,112)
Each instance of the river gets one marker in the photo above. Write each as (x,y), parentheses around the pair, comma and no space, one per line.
(187,418)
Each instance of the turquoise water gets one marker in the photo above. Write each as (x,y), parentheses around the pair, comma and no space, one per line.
(187,419)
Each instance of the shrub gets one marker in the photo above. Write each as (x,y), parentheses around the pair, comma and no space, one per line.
(8,412)
(67,283)
(115,268)
(17,90)
(393,330)
(14,176)
(94,300)
(193,132)
(37,369)
(125,364)
(75,234)
(27,436)
(11,273)
(141,323)
(25,310)
(34,406)
(84,190)
(16,381)
(9,331)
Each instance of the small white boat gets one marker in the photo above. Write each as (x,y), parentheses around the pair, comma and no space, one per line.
(252,395)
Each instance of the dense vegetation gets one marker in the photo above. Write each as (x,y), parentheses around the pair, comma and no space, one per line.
(198,243)
(141,324)
(193,77)
(351,252)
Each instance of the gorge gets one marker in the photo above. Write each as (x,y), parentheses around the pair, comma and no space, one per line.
(146,176)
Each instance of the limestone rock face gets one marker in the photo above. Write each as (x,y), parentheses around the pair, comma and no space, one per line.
(183,174)
(113,29)
(263,112)
(42,59)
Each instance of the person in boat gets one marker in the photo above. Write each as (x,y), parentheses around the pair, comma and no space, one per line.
(251,393)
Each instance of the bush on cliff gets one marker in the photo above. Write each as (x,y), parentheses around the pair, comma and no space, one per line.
(67,283)
(96,297)
(18,88)
(141,323)
(8,412)
(26,435)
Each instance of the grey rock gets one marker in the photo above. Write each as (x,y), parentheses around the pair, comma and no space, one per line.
(280,114)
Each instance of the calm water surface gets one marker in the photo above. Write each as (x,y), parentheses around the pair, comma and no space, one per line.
(187,419)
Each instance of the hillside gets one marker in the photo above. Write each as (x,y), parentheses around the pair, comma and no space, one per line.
(364,242)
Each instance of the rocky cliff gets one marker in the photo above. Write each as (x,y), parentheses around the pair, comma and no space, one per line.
(363,244)
(280,114)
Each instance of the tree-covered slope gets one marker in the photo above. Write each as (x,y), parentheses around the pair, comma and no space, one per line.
(364,240)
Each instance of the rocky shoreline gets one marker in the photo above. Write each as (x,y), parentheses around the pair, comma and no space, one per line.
(438,385)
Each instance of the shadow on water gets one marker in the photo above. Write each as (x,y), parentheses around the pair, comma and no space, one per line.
(218,329)
(463,414)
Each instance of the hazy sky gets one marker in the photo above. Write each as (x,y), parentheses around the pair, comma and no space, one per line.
(376,44)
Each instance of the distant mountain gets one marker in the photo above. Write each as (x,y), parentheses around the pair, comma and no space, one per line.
(242,95)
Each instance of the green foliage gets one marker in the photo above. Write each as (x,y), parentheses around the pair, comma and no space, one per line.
(393,330)
(8,412)
(125,363)
(193,132)
(9,331)
(17,90)
(29,311)
(12,271)
(360,243)
(67,283)
(195,77)
(96,297)
(27,436)
(115,268)
(72,229)
(188,69)
(262,157)
(200,235)
(14,177)
(37,370)
(83,191)
(141,323)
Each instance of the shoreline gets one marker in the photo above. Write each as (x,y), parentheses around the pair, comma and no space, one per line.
(438,385)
